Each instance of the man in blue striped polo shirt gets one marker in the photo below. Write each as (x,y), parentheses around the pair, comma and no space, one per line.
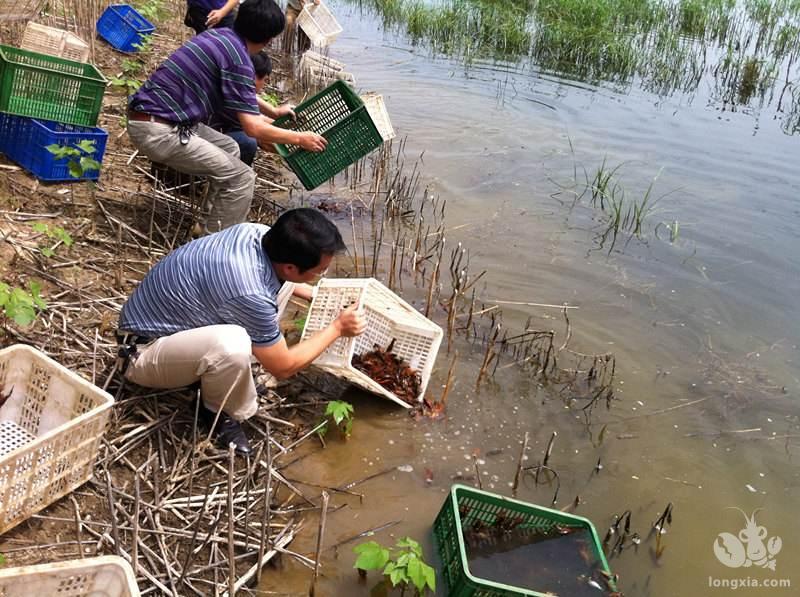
(206,308)
(212,73)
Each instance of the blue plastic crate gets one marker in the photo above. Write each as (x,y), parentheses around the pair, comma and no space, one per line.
(25,140)
(123,27)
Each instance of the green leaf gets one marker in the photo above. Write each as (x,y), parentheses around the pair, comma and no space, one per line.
(409,543)
(371,556)
(87,145)
(88,164)
(61,151)
(2,560)
(398,575)
(63,236)
(47,251)
(36,290)
(416,574)
(75,169)
(430,575)
(41,228)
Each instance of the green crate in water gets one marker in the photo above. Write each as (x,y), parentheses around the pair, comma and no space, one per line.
(49,88)
(339,115)
(466,508)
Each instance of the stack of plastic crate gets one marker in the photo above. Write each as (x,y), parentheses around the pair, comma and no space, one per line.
(49,101)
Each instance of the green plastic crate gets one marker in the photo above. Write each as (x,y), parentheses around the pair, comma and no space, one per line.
(484,506)
(49,88)
(339,115)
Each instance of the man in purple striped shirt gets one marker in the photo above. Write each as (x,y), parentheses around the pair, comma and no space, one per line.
(211,73)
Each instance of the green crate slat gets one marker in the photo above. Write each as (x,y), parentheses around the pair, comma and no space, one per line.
(339,115)
(41,86)
(449,538)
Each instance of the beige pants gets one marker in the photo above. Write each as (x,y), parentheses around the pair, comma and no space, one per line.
(293,36)
(208,153)
(219,356)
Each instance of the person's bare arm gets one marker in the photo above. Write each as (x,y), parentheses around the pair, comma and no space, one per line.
(274,112)
(254,126)
(283,361)
(303,291)
(215,16)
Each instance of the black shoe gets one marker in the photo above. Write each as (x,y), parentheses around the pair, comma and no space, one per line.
(227,431)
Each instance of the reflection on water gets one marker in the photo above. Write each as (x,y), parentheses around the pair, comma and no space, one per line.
(704,325)
(747,51)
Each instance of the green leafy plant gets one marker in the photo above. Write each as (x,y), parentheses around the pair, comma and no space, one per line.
(341,413)
(403,566)
(79,155)
(128,78)
(300,323)
(152,10)
(54,233)
(271,98)
(21,305)
(145,45)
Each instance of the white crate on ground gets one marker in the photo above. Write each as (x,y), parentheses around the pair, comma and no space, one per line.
(388,318)
(312,59)
(54,42)
(315,69)
(104,576)
(379,114)
(50,431)
(319,24)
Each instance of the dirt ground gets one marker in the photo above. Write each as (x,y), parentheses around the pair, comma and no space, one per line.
(119,228)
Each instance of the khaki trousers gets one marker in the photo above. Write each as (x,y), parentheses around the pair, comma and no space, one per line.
(217,355)
(208,153)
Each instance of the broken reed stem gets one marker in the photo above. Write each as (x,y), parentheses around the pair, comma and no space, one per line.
(549,448)
(519,465)
(320,535)
(135,538)
(265,517)
(112,512)
(477,472)
(448,384)
(231,522)
(77,513)
(568,333)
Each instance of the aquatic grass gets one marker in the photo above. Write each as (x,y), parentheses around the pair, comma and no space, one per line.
(666,46)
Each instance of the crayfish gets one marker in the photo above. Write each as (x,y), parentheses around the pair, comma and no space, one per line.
(390,371)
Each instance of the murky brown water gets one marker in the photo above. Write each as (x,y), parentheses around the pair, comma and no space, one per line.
(705,330)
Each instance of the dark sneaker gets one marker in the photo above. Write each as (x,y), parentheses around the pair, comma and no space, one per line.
(227,431)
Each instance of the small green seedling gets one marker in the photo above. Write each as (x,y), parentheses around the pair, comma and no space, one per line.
(403,566)
(271,99)
(342,414)
(79,155)
(20,305)
(54,233)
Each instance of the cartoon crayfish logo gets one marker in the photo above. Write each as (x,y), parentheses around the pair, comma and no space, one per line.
(748,548)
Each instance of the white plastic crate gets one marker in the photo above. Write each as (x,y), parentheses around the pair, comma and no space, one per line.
(380,116)
(313,59)
(319,24)
(388,317)
(54,42)
(50,432)
(104,576)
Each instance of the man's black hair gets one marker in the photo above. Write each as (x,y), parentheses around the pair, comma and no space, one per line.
(261,64)
(258,21)
(301,237)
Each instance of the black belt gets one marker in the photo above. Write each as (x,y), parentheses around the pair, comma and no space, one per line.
(127,343)
(130,339)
